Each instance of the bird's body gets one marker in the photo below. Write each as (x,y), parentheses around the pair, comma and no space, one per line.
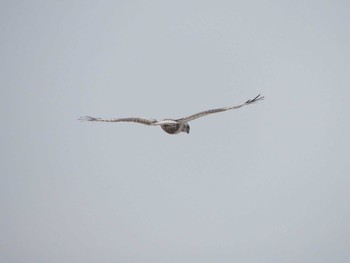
(173,126)
(176,128)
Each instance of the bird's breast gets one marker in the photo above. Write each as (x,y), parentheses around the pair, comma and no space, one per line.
(171,128)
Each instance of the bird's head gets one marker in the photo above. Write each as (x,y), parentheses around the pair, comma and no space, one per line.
(186,128)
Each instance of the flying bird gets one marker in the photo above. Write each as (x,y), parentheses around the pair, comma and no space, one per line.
(174,126)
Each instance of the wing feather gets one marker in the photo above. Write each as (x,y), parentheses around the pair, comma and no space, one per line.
(207,112)
(133,119)
(137,120)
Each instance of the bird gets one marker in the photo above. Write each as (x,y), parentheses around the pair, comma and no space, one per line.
(174,126)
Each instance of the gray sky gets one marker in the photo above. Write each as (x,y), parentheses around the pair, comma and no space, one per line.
(265,183)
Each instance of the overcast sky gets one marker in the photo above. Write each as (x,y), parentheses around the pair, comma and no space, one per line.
(265,183)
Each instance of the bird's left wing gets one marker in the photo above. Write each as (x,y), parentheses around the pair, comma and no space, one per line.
(207,112)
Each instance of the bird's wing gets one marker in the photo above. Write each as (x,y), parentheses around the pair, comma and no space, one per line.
(207,112)
(137,120)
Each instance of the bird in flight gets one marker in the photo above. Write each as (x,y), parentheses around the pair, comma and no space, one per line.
(174,126)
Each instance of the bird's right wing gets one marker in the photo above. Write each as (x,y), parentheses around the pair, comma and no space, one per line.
(132,119)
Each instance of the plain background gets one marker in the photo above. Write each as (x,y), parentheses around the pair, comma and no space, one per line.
(265,183)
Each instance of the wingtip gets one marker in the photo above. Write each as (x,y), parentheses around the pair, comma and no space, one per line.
(257,98)
(86,118)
